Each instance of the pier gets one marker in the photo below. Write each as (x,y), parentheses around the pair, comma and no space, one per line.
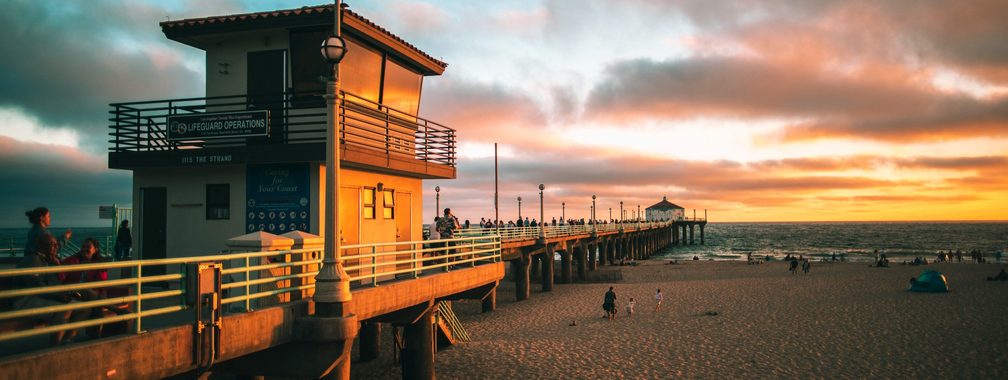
(248,314)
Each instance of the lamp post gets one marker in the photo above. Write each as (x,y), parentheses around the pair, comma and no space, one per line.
(332,285)
(594,222)
(638,216)
(437,200)
(542,216)
(563,211)
(610,214)
(519,208)
(334,320)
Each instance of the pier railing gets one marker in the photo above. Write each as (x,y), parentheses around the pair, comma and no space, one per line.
(550,231)
(294,118)
(250,280)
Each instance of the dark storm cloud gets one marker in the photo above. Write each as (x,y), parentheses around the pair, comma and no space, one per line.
(72,184)
(65,61)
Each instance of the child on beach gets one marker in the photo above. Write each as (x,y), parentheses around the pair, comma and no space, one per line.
(658,298)
(630,306)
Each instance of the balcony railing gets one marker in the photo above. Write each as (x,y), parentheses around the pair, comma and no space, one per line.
(294,119)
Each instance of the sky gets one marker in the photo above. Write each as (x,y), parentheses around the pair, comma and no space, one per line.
(757,110)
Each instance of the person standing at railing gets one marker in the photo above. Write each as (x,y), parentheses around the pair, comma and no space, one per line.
(45,255)
(40,219)
(447,226)
(124,241)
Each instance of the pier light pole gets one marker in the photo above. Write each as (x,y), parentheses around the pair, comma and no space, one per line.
(437,200)
(638,216)
(594,222)
(332,284)
(563,211)
(622,215)
(519,208)
(334,320)
(610,213)
(542,229)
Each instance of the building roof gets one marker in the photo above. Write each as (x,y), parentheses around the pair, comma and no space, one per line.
(665,204)
(180,29)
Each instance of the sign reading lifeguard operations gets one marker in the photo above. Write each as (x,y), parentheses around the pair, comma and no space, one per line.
(218,125)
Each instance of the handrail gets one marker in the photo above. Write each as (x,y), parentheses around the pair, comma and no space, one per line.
(255,279)
(301,118)
(509,234)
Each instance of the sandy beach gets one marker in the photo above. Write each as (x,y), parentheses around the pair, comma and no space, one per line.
(842,320)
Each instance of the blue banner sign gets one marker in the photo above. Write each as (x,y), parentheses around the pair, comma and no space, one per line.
(277,198)
(203,126)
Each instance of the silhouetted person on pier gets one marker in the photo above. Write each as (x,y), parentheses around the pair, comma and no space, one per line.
(45,255)
(124,241)
(609,304)
(40,219)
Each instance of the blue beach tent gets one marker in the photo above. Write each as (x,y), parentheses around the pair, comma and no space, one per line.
(929,281)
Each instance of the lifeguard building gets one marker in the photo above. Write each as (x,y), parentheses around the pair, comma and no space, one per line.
(664,211)
(249,155)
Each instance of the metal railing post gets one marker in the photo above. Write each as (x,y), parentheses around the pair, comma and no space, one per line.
(248,298)
(139,293)
(374,266)
(416,267)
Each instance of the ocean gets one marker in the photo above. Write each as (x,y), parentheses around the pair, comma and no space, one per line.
(856,241)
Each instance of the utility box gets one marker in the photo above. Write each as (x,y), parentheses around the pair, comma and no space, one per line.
(204,297)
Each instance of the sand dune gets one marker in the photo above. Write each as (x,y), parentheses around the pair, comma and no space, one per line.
(840,321)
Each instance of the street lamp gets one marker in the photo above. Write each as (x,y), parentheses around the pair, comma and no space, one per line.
(437,200)
(594,222)
(332,283)
(638,216)
(563,208)
(622,215)
(610,214)
(519,208)
(542,230)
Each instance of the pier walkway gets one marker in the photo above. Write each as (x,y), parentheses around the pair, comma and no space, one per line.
(246,313)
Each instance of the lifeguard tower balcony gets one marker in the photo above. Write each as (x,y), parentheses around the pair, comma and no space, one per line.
(267,67)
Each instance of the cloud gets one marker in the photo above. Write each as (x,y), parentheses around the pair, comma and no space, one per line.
(65,62)
(70,182)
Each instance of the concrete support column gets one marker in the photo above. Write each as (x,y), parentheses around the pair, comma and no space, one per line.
(691,228)
(675,234)
(683,240)
(520,270)
(546,259)
(533,267)
(593,256)
(566,270)
(582,258)
(418,351)
(369,340)
(701,233)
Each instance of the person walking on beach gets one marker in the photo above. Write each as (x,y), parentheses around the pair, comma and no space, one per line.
(630,307)
(609,304)
(793,267)
(805,266)
(658,297)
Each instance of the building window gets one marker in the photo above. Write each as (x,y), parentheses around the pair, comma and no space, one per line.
(388,204)
(218,201)
(369,203)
